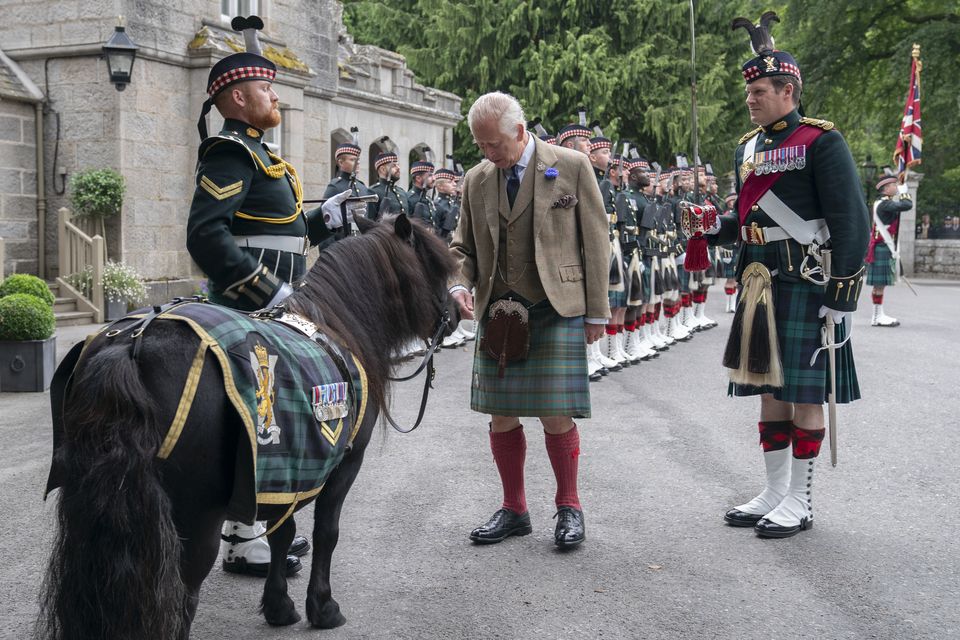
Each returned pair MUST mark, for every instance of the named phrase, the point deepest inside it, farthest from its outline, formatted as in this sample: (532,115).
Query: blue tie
(513,185)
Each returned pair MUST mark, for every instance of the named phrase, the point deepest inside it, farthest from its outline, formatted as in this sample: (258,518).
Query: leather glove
(837,316)
(332,213)
(282,293)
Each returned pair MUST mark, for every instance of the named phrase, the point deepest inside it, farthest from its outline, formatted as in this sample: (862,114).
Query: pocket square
(565,202)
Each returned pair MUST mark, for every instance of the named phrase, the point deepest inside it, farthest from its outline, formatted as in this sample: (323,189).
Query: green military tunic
(882,266)
(247,229)
(420,206)
(825,187)
(343,182)
(392,199)
(447,216)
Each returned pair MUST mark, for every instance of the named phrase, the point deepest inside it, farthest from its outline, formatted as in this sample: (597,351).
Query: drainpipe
(41,196)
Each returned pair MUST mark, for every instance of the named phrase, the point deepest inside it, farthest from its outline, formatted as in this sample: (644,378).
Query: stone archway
(337,137)
(381,145)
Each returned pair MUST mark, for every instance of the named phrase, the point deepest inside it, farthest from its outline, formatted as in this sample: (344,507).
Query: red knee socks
(806,444)
(729,290)
(877,298)
(509,452)
(611,329)
(564,451)
(775,435)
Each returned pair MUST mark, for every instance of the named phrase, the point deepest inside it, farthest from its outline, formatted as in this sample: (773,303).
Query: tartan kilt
(796,305)
(880,271)
(552,381)
(646,279)
(684,277)
(729,269)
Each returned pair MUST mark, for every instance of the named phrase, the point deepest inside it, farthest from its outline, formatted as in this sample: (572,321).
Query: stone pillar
(908,226)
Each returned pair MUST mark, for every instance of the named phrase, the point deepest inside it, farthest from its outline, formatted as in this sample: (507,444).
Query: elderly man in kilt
(882,267)
(533,240)
(798,197)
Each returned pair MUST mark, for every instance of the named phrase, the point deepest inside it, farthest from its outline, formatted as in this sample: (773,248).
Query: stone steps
(65,309)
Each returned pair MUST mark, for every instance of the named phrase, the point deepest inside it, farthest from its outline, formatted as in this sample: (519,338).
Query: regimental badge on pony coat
(264,365)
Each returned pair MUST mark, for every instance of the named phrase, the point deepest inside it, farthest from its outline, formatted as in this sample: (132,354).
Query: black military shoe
(259,569)
(299,547)
(737,518)
(570,528)
(503,524)
(770,529)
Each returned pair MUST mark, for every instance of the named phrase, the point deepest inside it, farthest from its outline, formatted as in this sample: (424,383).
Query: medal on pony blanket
(330,401)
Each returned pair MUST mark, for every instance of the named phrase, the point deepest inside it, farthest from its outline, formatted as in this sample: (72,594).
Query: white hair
(502,107)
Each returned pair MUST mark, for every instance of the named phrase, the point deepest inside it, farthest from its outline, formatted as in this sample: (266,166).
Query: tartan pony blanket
(300,405)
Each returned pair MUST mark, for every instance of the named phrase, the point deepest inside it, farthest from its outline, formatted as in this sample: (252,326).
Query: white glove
(902,189)
(282,293)
(332,216)
(837,316)
(715,229)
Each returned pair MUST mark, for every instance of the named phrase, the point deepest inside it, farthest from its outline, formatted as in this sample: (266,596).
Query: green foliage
(628,62)
(25,317)
(97,193)
(25,283)
(121,283)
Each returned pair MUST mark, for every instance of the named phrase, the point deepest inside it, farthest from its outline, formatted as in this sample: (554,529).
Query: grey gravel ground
(666,453)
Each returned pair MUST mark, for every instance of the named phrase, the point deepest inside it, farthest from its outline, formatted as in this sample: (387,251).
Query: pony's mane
(376,291)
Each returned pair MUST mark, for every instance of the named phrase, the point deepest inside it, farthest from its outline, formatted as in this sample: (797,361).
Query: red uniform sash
(755,186)
(876,238)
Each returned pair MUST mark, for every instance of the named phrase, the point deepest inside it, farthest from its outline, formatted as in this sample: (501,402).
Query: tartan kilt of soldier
(880,271)
(552,381)
(729,269)
(646,280)
(796,309)
(617,295)
(684,277)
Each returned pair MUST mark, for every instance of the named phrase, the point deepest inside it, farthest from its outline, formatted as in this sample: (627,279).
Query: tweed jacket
(569,231)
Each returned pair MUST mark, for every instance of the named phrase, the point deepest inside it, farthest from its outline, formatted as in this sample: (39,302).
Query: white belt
(290,244)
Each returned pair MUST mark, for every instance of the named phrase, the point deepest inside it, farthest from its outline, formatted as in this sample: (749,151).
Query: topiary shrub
(97,193)
(25,317)
(25,283)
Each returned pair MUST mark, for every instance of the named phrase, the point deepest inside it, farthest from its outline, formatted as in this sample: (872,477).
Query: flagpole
(914,77)
(693,107)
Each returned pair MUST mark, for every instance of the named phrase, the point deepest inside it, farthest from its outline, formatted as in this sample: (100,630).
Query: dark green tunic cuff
(843,291)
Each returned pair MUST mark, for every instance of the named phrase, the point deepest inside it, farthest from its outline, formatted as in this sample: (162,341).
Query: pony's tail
(114,568)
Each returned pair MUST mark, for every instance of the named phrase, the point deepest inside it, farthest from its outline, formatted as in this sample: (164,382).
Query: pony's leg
(322,610)
(198,552)
(276,605)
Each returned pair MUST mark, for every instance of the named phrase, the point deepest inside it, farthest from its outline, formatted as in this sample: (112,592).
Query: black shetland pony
(137,535)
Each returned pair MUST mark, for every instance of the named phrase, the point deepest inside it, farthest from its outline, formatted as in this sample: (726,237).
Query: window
(231,8)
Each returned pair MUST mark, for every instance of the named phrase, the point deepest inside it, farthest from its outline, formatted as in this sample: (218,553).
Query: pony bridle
(440,302)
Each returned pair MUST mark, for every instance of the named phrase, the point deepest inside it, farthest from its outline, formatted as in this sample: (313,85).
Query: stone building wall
(937,259)
(18,187)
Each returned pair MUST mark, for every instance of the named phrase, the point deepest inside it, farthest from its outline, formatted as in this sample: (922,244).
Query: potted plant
(96,194)
(123,288)
(28,352)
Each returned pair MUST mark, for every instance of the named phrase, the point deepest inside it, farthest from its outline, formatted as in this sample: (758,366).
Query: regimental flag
(910,142)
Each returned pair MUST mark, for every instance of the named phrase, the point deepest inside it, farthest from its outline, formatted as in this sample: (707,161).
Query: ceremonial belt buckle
(754,234)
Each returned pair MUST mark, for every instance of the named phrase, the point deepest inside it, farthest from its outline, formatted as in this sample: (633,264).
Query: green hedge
(25,317)
(24,283)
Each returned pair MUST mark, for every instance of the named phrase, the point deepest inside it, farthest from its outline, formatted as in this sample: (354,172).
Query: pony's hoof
(282,614)
(284,619)
(327,617)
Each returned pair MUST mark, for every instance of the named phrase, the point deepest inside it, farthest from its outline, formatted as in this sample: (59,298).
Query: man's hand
(836,316)
(332,216)
(903,190)
(465,301)
(593,331)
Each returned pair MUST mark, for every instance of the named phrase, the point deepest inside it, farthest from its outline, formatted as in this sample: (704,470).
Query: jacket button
(755,207)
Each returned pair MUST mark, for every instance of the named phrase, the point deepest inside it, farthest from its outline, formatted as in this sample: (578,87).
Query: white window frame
(273,137)
(239,8)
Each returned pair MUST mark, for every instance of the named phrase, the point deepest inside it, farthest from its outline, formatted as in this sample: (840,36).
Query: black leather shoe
(503,524)
(769,529)
(299,547)
(259,569)
(737,518)
(570,528)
